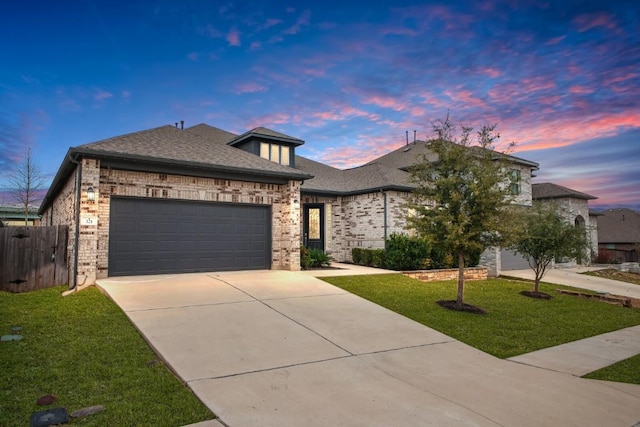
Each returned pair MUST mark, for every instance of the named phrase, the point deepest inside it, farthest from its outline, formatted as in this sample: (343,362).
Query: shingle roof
(268,133)
(548,190)
(168,144)
(619,226)
(213,134)
(363,179)
(412,153)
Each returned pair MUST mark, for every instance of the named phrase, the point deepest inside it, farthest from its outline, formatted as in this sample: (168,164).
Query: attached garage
(510,260)
(159,236)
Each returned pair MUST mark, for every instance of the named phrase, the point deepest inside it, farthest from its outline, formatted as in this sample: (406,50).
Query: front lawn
(627,371)
(514,323)
(83,349)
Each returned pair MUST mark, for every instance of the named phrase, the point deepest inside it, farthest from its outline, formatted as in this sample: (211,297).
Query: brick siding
(93,250)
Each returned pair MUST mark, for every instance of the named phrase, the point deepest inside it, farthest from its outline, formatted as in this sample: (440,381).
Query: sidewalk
(584,356)
(572,277)
(576,358)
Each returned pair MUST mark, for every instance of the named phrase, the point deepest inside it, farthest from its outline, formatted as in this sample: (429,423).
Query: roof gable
(619,226)
(264,133)
(176,146)
(363,179)
(548,190)
(410,154)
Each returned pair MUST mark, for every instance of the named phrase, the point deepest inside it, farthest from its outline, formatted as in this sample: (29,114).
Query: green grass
(514,325)
(626,371)
(84,350)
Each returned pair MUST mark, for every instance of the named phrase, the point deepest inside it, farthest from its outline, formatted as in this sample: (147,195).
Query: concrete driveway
(275,348)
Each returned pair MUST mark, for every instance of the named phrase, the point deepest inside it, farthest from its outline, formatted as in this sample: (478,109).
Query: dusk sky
(560,78)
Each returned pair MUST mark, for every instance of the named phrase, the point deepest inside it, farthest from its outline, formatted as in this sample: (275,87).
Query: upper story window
(275,152)
(514,184)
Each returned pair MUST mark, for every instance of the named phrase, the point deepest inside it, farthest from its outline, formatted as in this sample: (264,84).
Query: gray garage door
(148,236)
(510,260)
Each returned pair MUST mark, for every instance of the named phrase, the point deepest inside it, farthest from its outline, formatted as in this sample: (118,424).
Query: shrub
(406,253)
(367,257)
(305,258)
(440,258)
(313,258)
(356,255)
(377,257)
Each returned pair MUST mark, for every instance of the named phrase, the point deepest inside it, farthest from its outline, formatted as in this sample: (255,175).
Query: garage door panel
(511,260)
(151,236)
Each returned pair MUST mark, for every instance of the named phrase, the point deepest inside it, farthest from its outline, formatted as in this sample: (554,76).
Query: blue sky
(560,78)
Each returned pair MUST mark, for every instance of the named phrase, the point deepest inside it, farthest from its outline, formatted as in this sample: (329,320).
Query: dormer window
(275,152)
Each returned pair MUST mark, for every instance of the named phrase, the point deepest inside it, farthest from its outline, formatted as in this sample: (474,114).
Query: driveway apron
(276,348)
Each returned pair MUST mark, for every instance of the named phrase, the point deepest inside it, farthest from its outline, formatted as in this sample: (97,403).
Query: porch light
(91,194)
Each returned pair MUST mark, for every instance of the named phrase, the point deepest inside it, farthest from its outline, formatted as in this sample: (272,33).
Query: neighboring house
(574,206)
(169,200)
(14,216)
(619,235)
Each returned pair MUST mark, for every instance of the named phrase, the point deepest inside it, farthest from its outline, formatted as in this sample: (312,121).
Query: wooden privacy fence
(33,257)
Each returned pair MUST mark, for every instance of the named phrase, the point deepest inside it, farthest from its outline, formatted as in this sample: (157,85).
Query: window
(284,155)
(514,186)
(274,152)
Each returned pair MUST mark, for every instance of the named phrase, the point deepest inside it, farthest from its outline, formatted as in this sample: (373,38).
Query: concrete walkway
(276,348)
(584,356)
(572,277)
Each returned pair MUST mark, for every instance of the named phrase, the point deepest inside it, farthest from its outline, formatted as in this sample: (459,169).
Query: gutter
(76,242)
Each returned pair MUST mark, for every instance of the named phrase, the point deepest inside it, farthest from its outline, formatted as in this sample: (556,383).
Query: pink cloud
(303,21)
(555,40)
(313,72)
(101,95)
(491,72)
(560,132)
(398,31)
(586,22)
(193,56)
(581,90)
(272,22)
(233,37)
(250,87)
(384,102)
(255,45)
(537,83)
(467,97)
(620,79)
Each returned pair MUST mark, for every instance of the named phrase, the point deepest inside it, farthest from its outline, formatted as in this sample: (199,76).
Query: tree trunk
(460,298)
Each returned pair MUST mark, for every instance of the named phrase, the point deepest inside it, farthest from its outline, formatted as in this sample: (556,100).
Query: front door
(313,237)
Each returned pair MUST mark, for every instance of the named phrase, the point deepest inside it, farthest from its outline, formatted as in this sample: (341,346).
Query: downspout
(384,198)
(76,242)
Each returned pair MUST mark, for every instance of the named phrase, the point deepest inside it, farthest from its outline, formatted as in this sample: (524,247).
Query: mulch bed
(537,295)
(467,308)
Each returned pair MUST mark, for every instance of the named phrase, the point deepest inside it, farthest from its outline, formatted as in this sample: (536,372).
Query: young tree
(547,236)
(25,184)
(462,193)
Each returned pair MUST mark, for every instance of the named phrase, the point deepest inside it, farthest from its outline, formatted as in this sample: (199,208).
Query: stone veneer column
(88,241)
(286,229)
